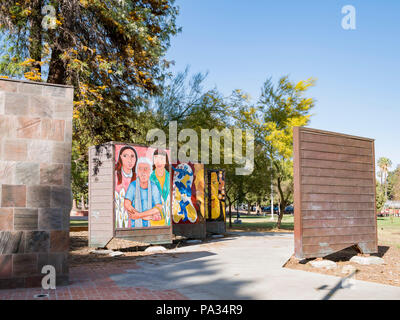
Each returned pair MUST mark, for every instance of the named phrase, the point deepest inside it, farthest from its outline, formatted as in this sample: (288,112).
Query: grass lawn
(388,229)
(261,223)
(78,223)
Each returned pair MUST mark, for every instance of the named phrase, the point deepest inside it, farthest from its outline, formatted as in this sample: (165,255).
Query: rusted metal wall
(334,193)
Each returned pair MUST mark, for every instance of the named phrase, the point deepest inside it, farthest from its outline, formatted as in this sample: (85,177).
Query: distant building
(391,207)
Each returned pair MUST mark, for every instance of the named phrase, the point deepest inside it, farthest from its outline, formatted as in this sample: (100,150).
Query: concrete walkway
(242,266)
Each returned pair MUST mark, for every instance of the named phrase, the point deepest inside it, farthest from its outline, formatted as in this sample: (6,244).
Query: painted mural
(142,187)
(217,194)
(188,193)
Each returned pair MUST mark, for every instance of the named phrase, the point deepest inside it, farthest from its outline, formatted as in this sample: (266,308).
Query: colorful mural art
(216,180)
(142,187)
(188,193)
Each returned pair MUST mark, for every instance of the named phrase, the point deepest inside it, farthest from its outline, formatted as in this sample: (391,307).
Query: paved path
(245,266)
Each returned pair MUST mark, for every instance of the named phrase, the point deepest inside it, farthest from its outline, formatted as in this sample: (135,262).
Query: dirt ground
(80,253)
(388,273)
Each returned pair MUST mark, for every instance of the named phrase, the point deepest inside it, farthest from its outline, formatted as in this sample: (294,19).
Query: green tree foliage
(110,51)
(279,108)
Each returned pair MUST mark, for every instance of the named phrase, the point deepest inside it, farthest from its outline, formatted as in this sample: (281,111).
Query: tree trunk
(248,207)
(282,205)
(83,202)
(35,35)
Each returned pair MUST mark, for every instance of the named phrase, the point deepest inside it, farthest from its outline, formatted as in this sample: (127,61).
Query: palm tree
(384,164)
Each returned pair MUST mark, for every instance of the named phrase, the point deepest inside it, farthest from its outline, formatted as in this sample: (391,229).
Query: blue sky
(243,43)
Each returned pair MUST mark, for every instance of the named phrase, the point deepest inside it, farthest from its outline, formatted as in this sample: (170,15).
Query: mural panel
(142,187)
(216,187)
(188,193)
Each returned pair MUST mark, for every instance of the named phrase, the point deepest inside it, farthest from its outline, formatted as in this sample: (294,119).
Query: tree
(277,111)
(110,51)
(384,164)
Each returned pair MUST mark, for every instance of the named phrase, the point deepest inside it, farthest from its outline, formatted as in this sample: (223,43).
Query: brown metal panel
(334,192)
(327,164)
(334,138)
(321,231)
(348,190)
(327,181)
(317,146)
(321,155)
(331,197)
(335,214)
(338,173)
(298,239)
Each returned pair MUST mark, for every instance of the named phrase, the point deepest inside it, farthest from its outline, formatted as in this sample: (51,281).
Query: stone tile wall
(35,186)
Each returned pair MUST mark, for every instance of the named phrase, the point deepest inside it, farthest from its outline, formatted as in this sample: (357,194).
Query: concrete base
(192,231)
(215,226)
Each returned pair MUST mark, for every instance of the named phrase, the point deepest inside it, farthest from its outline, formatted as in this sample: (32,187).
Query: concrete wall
(35,182)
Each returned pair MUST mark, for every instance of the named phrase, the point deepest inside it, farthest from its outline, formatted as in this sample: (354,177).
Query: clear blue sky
(242,43)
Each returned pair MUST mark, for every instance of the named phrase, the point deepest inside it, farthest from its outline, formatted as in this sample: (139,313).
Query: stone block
(58,260)
(30,88)
(11,242)
(6,219)
(37,241)
(8,86)
(55,91)
(5,266)
(53,129)
(367,260)
(26,173)
(12,283)
(50,218)
(327,264)
(65,219)
(25,219)
(60,197)
(25,264)
(7,125)
(2,102)
(16,104)
(28,128)
(7,172)
(68,131)
(33,281)
(51,174)
(67,175)
(13,196)
(59,241)
(61,152)
(39,151)
(14,150)
(63,109)
(38,196)
(41,107)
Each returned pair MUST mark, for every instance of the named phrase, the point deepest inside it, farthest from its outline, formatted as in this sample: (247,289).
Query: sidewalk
(242,266)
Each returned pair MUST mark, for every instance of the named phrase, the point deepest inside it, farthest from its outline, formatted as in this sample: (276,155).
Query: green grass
(78,223)
(261,223)
(388,229)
